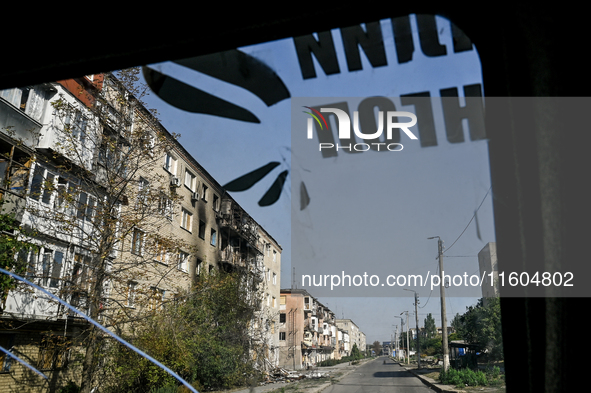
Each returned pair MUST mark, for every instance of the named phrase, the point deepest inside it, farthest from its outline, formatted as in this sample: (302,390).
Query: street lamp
(443,311)
(417,325)
(407,342)
(402,330)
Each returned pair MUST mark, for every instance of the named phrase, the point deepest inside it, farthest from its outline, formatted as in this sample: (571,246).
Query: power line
(470,220)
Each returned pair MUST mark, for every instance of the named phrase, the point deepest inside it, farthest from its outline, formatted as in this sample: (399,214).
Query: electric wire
(483,199)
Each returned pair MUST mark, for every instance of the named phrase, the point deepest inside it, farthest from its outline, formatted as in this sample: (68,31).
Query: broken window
(187,221)
(183,264)
(213,236)
(51,267)
(204,193)
(6,342)
(201,229)
(198,267)
(42,185)
(216,203)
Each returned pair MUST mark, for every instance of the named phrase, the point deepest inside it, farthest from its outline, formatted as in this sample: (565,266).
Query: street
(375,376)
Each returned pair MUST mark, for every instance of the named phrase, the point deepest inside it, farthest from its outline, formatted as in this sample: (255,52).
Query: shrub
(461,378)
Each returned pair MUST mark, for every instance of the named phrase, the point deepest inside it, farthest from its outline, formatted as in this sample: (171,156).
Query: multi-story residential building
(308,333)
(270,311)
(357,337)
(117,232)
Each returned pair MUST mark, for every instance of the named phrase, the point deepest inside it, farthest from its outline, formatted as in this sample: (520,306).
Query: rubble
(278,374)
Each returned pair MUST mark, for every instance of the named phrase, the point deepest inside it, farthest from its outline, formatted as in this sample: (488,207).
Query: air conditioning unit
(194,196)
(175,181)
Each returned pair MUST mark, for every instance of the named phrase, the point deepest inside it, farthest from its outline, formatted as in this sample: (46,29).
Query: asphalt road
(377,377)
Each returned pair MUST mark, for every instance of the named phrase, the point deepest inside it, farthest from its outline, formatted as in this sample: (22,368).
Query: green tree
(355,353)
(377,347)
(481,325)
(456,322)
(208,337)
(432,346)
(430,328)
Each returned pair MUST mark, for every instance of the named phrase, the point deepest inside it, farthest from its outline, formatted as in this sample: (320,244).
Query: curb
(430,382)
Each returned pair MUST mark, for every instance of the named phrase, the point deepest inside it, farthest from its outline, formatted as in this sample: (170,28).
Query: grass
(469,378)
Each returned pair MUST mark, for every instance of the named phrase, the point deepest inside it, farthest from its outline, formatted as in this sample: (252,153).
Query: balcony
(311,325)
(309,306)
(241,230)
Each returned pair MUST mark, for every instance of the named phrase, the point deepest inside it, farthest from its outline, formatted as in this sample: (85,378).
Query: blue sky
(433,191)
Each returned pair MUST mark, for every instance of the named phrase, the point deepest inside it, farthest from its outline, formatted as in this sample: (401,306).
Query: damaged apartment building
(119,219)
(309,332)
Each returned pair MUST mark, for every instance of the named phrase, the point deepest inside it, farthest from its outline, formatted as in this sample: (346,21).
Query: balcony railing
(232,216)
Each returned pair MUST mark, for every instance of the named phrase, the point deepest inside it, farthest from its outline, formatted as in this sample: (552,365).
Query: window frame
(186,220)
(202,227)
(183,261)
(131,293)
(170,163)
(204,189)
(162,255)
(192,180)
(44,190)
(137,242)
(166,207)
(213,237)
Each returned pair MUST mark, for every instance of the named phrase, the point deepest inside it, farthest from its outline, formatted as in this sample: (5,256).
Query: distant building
(307,331)
(355,334)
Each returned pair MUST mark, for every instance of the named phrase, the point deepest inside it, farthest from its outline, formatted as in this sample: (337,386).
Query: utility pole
(417,325)
(407,340)
(396,340)
(443,311)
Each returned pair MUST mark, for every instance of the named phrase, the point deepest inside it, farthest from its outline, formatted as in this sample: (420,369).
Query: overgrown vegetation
(468,377)
(208,338)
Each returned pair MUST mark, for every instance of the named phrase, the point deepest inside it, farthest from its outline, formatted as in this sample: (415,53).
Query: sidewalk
(430,381)
(307,385)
